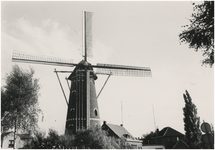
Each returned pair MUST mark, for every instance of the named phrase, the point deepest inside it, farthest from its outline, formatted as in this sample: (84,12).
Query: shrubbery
(93,138)
(52,141)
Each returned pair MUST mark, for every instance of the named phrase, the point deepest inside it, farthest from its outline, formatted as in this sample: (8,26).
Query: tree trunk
(14,135)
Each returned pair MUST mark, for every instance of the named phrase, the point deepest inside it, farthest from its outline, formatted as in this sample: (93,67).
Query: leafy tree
(200,33)
(19,100)
(94,138)
(191,122)
(67,141)
(147,138)
(52,141)
(122,143)
(37,142)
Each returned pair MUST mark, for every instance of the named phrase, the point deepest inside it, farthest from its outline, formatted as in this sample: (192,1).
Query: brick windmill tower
(83,111)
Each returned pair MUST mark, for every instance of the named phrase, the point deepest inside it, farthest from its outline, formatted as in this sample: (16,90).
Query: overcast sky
(138,33)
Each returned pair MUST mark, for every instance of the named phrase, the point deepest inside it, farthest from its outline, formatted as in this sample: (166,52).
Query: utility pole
(154,117)
(122,112)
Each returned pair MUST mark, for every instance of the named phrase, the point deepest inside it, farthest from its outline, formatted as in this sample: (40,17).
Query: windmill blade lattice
(121,70)
(40,59)
(88,34)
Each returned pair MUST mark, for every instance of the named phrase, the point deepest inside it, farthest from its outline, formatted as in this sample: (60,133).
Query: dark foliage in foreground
(200,33)
(191,122)
(93,138)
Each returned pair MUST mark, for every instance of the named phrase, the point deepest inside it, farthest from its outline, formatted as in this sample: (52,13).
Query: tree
(52,141)
(37,142)
(19,104)
(191,122)
(148,137)
(122,143)
(94,138)
(200,33)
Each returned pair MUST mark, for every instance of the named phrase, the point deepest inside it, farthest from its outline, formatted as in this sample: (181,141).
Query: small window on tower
(95,111)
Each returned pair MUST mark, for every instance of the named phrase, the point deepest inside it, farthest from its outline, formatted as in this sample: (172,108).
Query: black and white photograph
(107,74)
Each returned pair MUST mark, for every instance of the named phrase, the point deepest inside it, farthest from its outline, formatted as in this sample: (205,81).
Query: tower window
(95,111)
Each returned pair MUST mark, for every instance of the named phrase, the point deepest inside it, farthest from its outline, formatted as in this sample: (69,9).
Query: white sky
(125,33)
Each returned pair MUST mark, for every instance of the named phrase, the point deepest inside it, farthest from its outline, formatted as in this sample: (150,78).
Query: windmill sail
(40,59)
(87,34)
(121,70)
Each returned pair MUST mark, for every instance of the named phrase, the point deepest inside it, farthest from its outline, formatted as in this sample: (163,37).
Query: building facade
(169,138)
(8,142)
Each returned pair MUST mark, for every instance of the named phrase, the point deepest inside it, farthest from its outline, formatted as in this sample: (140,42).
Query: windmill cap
(84,63)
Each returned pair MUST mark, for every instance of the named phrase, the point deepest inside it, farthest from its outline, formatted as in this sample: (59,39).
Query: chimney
(104,122)
(121,125)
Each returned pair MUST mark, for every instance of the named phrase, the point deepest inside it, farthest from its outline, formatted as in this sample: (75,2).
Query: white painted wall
(18,142)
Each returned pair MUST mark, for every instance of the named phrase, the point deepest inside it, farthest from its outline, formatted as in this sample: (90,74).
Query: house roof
(168,131)
(120,131)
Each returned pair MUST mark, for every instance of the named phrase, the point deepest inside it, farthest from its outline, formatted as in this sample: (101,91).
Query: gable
(167,131)
(180,145)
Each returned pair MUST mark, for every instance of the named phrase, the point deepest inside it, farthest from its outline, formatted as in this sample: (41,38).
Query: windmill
(83,111)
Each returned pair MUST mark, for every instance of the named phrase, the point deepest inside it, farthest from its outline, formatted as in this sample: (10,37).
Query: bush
(52,141)
(93,138)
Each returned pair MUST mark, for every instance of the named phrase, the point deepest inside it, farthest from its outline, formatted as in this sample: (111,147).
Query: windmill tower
(83,111)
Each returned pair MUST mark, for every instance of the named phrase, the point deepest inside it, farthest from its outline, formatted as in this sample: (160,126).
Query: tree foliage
(200,33)
(191,122)
(122,143)
(37,142)
(19,99)
(52,141)
(148,137)
(93,138)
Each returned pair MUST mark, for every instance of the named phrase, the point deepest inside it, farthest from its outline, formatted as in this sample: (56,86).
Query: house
(7,140)
(180,145)
(169,138)
(118,131)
